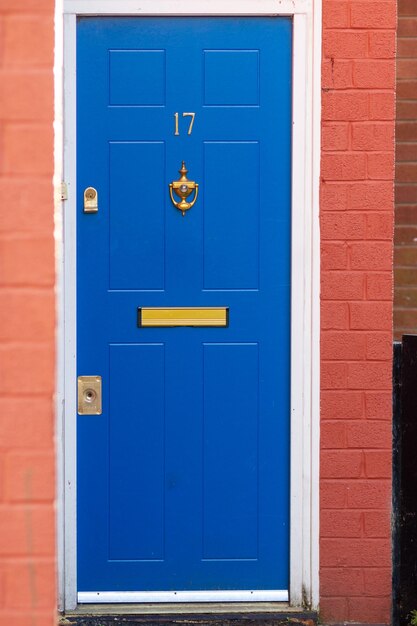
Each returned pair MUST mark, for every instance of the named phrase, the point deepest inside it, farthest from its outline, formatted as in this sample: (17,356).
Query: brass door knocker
(183,188)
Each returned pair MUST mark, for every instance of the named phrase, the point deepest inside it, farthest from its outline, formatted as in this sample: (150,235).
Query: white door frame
(305,363)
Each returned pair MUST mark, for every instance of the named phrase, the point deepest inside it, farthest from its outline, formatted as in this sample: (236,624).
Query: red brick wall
(27,522)
(356,231)
(405,301)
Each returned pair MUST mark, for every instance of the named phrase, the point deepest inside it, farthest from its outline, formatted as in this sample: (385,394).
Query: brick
(335,136)
(377,581)
(345,106)
(369,494)
(354,552)
(332,435)
(333,256)
(382,106)
(379,286)
(406,213)
(30,585)
(406,151)
(26,369)
(370,315)
(406,7)
(406,172)
(407,68)
(372,136)
(406,131)
(334,196)
(339,581)
(407,26)
(379,346)
(344,226)
(373,15)
(333,609)
(406,88)
(375,255)
(377,523)
(378,465)
(336,14)
(28,40)
(380,225)
(343,346)
(27,314)
(343,405)
(342,286)
(405,297)
(345,44)
(336,74)
(334,315)
(382,44)
(28,149)
(406,319)
(27,529)
(341,523)
(25,262)
(374,74)
(333,375)
(45,618)
(346,166)
(333,494)
(405,276)
(371,196)
(26,96)
(369,375)
(405,235)
(32,202)
(381,165)
(378,405)
(341,464)
(370,610)
(27,6)
(369,434)
(26,424)
(29,476)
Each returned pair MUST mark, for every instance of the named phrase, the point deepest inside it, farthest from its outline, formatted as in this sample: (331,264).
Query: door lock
(89,395)
(90,200)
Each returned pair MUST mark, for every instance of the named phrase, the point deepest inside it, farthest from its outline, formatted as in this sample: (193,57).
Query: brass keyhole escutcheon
(89,395)
(183,188)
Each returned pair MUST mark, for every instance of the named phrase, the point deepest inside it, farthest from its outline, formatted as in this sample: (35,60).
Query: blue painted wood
(183,481)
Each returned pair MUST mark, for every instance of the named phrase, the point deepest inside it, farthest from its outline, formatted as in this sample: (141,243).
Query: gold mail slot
(183,316)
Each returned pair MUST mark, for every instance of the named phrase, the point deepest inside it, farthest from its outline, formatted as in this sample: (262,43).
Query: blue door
(183,476)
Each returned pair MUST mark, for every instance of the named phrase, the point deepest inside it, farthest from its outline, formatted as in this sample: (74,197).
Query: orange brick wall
(405,258)
(356,343)
(356,230)
(27,519)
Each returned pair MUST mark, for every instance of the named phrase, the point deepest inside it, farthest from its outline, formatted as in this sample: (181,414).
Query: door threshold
(199,614)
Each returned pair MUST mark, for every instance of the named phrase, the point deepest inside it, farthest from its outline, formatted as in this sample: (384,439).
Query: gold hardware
(183,316)
(89,395)
(90,200)
(192,115)
(183,188)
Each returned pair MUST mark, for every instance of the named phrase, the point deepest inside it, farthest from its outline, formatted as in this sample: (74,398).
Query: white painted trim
(59,291)
(187,7)
(125,597)
(305,366)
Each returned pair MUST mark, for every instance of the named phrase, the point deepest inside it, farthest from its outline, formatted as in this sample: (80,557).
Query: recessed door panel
(184,131)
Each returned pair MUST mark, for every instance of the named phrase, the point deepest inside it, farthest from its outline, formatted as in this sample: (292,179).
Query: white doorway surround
(305,363)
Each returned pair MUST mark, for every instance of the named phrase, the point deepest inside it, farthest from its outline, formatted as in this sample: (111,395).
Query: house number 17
(190,128)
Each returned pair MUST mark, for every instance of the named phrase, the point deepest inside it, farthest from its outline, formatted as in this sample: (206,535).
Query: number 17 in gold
(190,128)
